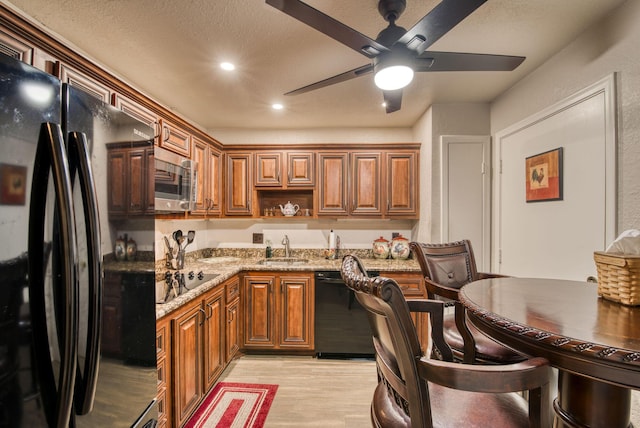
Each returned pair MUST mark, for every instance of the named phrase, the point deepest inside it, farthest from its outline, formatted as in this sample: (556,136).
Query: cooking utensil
(166,241)
(177,235)
(190,235)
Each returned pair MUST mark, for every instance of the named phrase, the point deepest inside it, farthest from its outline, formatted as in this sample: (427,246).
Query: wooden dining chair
(446,268)
(418,391)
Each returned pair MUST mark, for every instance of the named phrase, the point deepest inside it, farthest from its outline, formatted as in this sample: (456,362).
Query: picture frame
(544,176)
(13,184)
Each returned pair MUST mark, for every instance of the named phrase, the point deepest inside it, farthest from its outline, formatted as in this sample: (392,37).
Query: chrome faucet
(287,250)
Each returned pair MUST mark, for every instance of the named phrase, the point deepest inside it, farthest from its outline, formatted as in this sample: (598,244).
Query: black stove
(179,282)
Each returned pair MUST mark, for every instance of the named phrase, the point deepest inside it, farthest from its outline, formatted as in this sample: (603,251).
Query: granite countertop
(129,267)
(228,266)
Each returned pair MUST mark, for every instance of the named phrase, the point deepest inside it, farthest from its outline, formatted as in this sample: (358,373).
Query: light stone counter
(230,266)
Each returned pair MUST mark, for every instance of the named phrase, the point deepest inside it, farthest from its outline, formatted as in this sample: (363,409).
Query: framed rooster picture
(544,176)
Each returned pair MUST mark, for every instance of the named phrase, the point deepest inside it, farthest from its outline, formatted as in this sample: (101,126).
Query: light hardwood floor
(322,393)
(311,392)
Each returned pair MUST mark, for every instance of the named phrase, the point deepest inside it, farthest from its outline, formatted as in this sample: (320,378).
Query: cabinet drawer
(162,407)
(161,341)
(233,290)
(162,373)
(411,284)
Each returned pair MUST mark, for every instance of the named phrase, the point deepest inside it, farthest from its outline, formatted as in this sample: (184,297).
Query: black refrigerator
(56,237)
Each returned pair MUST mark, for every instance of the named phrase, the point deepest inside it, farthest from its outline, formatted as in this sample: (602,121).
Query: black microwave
(175,181)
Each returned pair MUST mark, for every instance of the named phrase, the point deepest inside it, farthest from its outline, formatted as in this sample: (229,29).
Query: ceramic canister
(120,249)
(400,248)
(380,248)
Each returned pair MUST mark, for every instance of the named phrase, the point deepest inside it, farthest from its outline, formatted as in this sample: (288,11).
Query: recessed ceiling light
(384,104)
(227,66)
(277,106)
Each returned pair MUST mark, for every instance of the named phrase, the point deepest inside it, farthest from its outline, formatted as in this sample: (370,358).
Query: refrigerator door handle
(86,379)
(51,156)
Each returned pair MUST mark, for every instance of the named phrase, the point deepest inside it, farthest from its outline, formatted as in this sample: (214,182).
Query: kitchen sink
(283,261)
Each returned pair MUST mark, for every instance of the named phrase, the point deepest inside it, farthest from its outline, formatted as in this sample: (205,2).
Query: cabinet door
(79,80)
(13,46)
(366,182)
(117,176)
(402,184)
(214,344)
(269,169)
(214,178)
(412,286)
(296,311)
(111,339)
(332,192)
(134,109)
(175,139)
(301,169)
(187,357)
(200,155)
(238,190)
(259,312)
(150,206)
(137,186)
(233,329)
(233,317)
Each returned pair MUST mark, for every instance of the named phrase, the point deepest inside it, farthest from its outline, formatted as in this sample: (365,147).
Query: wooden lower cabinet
(194,345)
(278,311)
(198,351)
(232,318)
(412,285)
(163,361)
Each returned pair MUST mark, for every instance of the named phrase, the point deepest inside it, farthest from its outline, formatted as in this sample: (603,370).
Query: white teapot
(289,209)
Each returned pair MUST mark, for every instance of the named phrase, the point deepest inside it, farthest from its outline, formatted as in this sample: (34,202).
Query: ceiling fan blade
(438,22)
(456,61)
(329,26)
(392,100)
(347,75)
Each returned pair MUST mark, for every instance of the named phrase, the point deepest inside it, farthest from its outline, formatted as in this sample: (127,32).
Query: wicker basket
(618,277)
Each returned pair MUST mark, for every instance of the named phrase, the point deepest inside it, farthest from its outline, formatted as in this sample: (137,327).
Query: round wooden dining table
(594,343)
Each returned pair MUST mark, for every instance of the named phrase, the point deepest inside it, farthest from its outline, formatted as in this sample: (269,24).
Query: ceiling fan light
(393,77)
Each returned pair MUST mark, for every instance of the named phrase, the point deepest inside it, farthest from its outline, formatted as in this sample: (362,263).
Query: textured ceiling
(170,50)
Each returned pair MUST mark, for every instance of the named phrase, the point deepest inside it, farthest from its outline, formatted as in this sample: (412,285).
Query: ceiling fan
(398,53)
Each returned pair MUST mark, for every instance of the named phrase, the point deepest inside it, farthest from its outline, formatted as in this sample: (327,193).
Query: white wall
(438,120)
(609,46)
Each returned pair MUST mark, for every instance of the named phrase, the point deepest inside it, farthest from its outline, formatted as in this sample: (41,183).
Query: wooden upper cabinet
(79,80)
(332,183)
(15,47)
(137,111)
(238,190)
(269,169)
(213,198)
(301,169)
(285,169)
(402,184)
(208,176)
(131,180)
(199,154)
(366,183)
(175,139)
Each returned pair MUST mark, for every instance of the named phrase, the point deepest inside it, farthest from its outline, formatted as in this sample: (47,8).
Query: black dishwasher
(341,325)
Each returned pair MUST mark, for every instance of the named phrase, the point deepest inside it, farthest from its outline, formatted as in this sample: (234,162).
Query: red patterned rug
(242,405)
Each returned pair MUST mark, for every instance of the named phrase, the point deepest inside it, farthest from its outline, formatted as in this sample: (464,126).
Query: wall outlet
(258,238)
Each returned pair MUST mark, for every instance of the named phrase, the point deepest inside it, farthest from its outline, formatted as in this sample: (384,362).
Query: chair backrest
(395,339)
(451,264)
